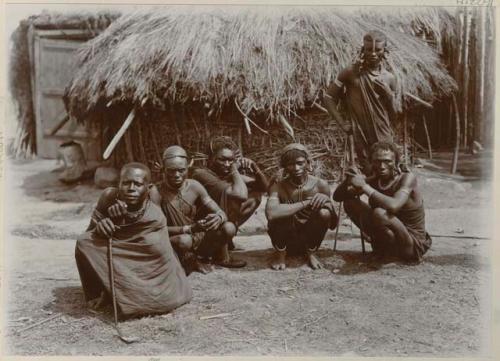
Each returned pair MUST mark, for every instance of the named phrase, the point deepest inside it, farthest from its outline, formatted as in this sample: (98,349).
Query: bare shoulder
(323,186)
(194,186)
(275,187)
(154,194)
(408,180)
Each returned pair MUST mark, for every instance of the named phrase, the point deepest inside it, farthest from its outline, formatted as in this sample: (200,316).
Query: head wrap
(174,151)
(295,150)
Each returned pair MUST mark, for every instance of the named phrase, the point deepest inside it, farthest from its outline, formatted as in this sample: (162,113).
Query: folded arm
(275,209)
(392,204)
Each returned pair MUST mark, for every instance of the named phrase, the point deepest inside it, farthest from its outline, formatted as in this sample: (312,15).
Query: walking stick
(129,339)
(340,203)
(349,140)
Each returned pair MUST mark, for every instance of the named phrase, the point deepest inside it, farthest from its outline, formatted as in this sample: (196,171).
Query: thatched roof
(268,59)
(20,76)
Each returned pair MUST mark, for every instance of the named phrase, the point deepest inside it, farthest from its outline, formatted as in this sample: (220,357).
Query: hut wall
(192,127)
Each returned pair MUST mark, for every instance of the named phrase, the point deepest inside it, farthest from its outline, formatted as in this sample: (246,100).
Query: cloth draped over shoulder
(180,212)
(367,108)
(148,276)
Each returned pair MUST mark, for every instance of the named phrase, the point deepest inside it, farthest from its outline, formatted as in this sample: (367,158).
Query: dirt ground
(352,307)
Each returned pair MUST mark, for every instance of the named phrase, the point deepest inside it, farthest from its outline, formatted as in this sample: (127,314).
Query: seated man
(148,276)
(299,209)
(394,217)
(237,194)
(196,223)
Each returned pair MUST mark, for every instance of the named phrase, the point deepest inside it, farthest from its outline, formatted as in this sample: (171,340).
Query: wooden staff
(418,100)
(457,137)
(344,161)
(429,146)
(61,121)
(465,87)
(119,134)
(405,139)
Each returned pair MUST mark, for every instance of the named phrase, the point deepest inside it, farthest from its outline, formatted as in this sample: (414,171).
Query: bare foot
(98,302)
(190,263)
(203,268)
(278,262)
(313,261)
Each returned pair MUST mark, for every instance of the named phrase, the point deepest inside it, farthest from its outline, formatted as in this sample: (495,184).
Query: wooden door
(54,65)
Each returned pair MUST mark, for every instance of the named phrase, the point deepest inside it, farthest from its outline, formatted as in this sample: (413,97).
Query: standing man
(148,276)
(394,217)
(299,209)
(197,225)
(368,91)
(237,194)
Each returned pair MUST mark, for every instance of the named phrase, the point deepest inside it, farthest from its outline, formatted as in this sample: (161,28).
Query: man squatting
(199,217)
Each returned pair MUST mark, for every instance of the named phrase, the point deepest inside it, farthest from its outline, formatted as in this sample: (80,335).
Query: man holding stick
(368,90)
(394,217)
(148,278)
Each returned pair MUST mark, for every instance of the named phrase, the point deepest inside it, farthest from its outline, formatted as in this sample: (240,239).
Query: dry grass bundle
(20,76)
(266,60)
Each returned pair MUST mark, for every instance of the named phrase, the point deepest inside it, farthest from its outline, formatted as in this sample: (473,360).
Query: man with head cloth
(394,217)
(367,89)
(147,274)
(196,223)
(299,209)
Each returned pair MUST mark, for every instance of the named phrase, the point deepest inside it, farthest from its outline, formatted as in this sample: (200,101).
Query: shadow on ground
(46,186)
(470,167)
(461,259)
(68,301)
(341,262)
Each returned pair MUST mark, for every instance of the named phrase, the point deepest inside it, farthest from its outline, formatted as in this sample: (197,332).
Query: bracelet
(186,229)
(222,219)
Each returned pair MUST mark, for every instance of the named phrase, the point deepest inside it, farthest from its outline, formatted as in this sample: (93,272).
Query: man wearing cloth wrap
(147,274)
(368,91)
(299,209)
(197,225)
(394,217)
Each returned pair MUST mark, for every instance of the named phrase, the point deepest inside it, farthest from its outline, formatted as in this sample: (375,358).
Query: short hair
(221,142)
(137,165)
(385,146)
(375,35)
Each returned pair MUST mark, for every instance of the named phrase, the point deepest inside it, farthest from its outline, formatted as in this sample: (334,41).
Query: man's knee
(380,217)
(325,216)
(183,242)
(228,229)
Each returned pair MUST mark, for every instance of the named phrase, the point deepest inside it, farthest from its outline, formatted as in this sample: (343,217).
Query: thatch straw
(271,60)
(20,76)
